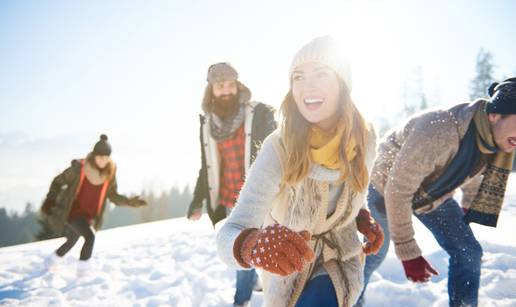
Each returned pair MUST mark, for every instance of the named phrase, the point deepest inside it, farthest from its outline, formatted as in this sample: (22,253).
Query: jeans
(456,237)
(245,281)
(318,292)
(447,225)
(76,228)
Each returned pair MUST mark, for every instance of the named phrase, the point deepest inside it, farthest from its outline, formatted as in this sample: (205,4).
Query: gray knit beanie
(221,72)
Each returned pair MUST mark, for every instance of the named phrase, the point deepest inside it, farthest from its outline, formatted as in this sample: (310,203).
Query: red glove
(371,230)
(275,249)
(418,269)
(47,206)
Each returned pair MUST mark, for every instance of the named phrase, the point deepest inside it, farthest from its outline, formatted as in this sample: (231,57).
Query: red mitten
(371,230)
(418,269)
(275,248)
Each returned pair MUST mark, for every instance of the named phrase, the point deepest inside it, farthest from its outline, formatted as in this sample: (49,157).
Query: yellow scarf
(325,147)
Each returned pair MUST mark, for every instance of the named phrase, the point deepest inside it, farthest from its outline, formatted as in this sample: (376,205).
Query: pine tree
(484,75)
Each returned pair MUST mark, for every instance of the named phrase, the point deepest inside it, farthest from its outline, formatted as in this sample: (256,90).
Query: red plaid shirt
(232,168)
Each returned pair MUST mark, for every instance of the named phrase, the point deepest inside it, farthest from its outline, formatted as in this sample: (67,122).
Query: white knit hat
(324,50)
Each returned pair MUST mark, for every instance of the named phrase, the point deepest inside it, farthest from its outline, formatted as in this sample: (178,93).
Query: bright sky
(136,70)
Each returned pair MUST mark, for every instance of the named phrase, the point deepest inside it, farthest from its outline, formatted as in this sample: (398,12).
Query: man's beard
(225,106)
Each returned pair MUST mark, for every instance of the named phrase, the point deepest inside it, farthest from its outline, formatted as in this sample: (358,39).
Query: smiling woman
(316,89)
(299,212)
(319,104)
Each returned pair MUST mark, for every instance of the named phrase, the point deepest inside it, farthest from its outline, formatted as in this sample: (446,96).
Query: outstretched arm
(122,200)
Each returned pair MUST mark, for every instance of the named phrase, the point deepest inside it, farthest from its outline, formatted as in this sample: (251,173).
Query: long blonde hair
(295,133)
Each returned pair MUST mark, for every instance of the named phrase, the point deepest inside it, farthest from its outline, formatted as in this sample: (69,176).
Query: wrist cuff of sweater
(407,250)
(243,245)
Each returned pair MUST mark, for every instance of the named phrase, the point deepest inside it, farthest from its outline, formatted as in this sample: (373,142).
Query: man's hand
(418,270)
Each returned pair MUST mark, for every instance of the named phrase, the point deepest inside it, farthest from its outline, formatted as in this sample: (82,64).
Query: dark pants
(456,237)
(318,292)
(76,228)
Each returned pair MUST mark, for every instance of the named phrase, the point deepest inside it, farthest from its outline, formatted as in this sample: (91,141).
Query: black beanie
(502,97)
(102,148)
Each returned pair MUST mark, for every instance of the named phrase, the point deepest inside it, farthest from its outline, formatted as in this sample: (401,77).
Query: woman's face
(315,88)
(101,161)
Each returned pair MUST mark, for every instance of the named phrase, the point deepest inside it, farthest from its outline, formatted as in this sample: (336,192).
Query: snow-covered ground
(174,263)
(166,263)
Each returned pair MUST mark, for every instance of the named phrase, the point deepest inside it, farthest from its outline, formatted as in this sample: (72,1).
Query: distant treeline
(16,228)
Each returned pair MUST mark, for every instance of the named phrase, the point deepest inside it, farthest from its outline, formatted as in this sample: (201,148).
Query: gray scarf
(223,129)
